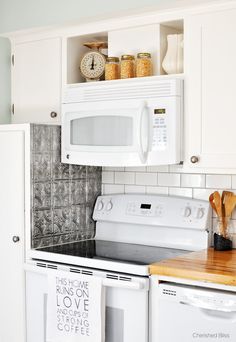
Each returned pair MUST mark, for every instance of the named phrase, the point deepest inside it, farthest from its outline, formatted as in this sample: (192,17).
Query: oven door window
(126,314)
(114,324)
(102,131)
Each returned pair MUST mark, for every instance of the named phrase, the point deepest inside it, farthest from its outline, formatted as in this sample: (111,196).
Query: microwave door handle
(143,131)
(208,307)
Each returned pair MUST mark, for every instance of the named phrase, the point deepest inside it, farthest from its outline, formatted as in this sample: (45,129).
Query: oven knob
(109,206)
(199,213)
(100,205)
(186,212)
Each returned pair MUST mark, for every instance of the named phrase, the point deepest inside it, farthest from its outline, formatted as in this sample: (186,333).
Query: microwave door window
(102,131)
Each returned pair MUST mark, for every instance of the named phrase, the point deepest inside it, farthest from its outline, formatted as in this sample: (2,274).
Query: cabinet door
(210,47)
(37,81)
(12,285)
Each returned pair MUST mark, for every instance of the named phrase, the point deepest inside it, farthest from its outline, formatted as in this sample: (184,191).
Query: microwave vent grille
(134,90)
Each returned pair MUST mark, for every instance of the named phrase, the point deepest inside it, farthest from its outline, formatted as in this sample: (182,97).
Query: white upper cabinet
(210,112)
(36,81)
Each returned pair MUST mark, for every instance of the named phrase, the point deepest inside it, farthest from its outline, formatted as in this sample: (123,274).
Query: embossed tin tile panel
(62,195)
(59,170)
(42,167)
(78,191)
(42,195)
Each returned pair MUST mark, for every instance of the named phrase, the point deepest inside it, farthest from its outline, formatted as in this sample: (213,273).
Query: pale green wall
(4,80)
(18,14)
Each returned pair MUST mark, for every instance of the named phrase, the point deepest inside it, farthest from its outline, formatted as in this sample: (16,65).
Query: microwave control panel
(159,129)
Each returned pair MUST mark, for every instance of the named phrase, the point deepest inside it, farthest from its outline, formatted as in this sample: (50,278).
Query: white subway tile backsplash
(176,169)
(218,181)
(115,168)
(202,194)
(145,178)
(183,192)
(138,189)
(136,169)
(234,182)
(158,190)
(165,180)
(163,168)
(124,177)
(113,189)
(169,179)
(193,181)
(107,177)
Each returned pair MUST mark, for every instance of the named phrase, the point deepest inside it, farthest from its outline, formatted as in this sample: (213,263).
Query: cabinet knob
(15,238)
(53,115)
(194,159)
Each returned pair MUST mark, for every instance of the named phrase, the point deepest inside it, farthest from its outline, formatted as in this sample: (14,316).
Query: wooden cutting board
(206,265)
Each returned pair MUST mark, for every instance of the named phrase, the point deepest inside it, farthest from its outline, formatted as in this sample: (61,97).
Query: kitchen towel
(75,308)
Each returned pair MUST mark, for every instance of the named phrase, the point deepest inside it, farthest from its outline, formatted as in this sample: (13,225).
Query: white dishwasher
(189,313)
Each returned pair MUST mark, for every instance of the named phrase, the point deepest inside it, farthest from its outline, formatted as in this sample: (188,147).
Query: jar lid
(127,57)
(113,59)
(144,55)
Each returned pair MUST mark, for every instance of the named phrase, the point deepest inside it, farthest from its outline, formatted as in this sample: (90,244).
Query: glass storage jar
(223,234)
(112,68)
(127,66)
(144,64)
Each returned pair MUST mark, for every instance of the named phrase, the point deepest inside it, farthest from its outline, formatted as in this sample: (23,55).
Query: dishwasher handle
(209,307)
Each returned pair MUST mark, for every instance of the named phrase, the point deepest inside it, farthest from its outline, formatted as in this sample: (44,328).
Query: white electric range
(132,231)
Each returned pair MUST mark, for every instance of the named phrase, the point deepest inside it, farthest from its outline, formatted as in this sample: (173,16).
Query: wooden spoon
(229,203)
(217,202)
(212,203)
(225,198)
(218,205)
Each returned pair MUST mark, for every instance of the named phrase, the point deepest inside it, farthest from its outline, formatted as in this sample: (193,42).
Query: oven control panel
(153,210)
(145,209)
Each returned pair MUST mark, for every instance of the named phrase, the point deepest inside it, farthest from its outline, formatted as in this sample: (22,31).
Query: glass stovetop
(115,251)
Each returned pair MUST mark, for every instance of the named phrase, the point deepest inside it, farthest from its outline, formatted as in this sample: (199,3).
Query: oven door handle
(123,284)
(132,285)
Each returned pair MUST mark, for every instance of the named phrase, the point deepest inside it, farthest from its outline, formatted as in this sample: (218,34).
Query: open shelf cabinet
(147,38)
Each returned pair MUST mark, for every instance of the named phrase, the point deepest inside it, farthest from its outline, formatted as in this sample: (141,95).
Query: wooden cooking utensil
(223,198)
(226,195)
(218,204)
(229,204)
(212,203)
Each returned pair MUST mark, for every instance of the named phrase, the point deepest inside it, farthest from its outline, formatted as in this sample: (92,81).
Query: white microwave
(132,122)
